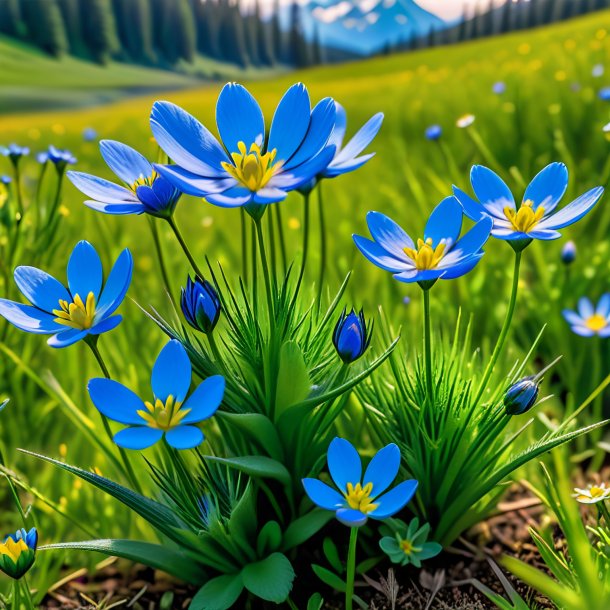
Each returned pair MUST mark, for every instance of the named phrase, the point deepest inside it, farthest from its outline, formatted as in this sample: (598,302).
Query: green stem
(187,252)
(244,245)
(280,233)
(305,238)
(266,277)
(504,332)
(43,170)
(428,345)
(16,601)
(20,207)
(57,198)
(128,469)
(322,244)
(603,509)
(162,266)
(28,594)
(214,347)
(273,258)
(254,271)
(351,568)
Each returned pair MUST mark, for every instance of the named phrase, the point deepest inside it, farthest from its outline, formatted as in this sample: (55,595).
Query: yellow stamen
(597,492)
(13,549)
(596,322)
(252,168)
(76,314)
(406,547)
(525,218)
(144,181)
(425,256)
(163,415)
(358,497)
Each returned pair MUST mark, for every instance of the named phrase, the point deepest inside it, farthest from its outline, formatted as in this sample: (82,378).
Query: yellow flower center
(525,218)
(359,497)
(13,549)
(144,181)
(425,256)
(163,415)
(597,492)
(252,168)
(76,314)
(596,322)
(406,546)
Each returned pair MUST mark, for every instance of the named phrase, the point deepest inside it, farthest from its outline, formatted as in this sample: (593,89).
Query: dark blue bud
(521,396)
(200,304)
(350,337)
(604,94)
(434,132)
(59,158)
(568,253)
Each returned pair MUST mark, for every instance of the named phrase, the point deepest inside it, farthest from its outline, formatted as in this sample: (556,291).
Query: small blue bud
(200,305)
(434,132)
(350,337)
(499,88)
(5,179)
(568,253)
(521,396)
(604,94)
(89,134)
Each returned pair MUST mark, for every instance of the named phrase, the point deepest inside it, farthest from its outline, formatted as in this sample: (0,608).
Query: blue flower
(534,218)
(249,167)
(499,88)
(18,552)
(59,158)
(145,191)
(351,337)
(346,157)
(590,320)
(168,413)
(521,396)
(568,253)
(439,255)
(14,152)
(604,94)
(434,132)
(361,497)
(200,305)
(5,179)
(89,134)
(71,314)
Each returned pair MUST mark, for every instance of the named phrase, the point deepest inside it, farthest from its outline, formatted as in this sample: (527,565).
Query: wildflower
(18,552)
(145,191)
(568,253)
(260,169)
(465,120)
(597,71)
(534,219)
(521,396)
(168,415)
(592,494)
(200,304)
(439,255)
(70,314)
(59,158)
(408,544)
(604,94)
(499,88)
(89,134)
(434,132)
(6,180)
(14,152)
(351,338)
(590,320)
(360,497)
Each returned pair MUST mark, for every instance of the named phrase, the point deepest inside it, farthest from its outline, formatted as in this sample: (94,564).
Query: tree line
(161,32)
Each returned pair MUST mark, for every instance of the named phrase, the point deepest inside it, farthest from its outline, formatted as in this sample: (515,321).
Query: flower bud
(18,552)
(200,304)
(434,132)
(350,336)
(568,253)
(521,396)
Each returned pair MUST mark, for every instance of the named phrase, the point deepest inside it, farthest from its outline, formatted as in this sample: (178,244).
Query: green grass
(542,117)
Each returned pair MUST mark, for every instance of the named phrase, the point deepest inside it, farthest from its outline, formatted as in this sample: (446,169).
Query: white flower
(465,121)
(593,494)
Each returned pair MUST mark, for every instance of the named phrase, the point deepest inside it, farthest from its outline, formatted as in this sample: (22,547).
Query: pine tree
(45,26)
(177,38)
(70,13)
(316,53)
(99,29)
(11,23)
(263,34)
(277,36)
(299,53)
(134,28)
(251,24)
(207,21)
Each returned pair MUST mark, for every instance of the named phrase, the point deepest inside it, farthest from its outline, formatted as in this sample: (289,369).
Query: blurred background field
(550,110)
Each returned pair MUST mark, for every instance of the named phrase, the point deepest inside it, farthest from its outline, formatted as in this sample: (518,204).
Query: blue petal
(351,517)
(40,288)
(28,318)
(545,234)
(393,501)
(304,173)
(604,332)
(140,437)
(128,164)
(338,169)
(380,257)
(338,132)
(603,305)
(85,272)
(361,139)
(171,374)
(470,243)
(205,400)
(415,275)
(322,495)
(106,325)
(290,122)
(548,187)
(320,127)
(583,331)
(473,209)
(186,141)
(445,222)
(382,469)
(117,209)
(343,463)
(233,197)
(585,308)
(116,285)
(269,195)
(572,317)
(100,189)
(239,117)
(465,266)
(67,337)
(573,211)
(194,184)
(389,235)
(490,189)
(184,437)
(113,400)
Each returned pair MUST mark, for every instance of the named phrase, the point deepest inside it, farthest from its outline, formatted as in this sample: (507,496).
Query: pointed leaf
(259,428)
(256,466)
(220,593)
(305,527)
(293,383)
(270,579)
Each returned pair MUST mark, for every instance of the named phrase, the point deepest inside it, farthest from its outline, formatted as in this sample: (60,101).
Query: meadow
(550,110)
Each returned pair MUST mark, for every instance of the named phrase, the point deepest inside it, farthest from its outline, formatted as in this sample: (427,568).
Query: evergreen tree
(70,13)
(10,18)
(45,26)
(264,42)
(99,29)
(299,53)
(175,34)
(134,28)
(207,21)
(277,36)
(317,52)
(251,25)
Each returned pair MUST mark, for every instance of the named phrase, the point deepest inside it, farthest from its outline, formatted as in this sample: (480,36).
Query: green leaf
(259,428)
(293,383)
(154,555)
(269,538)
(220,593)
(256,466)
(368,564)
(315,602)
(270,579)
(242,522)
(332,555)
(328,578)
(305,527)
